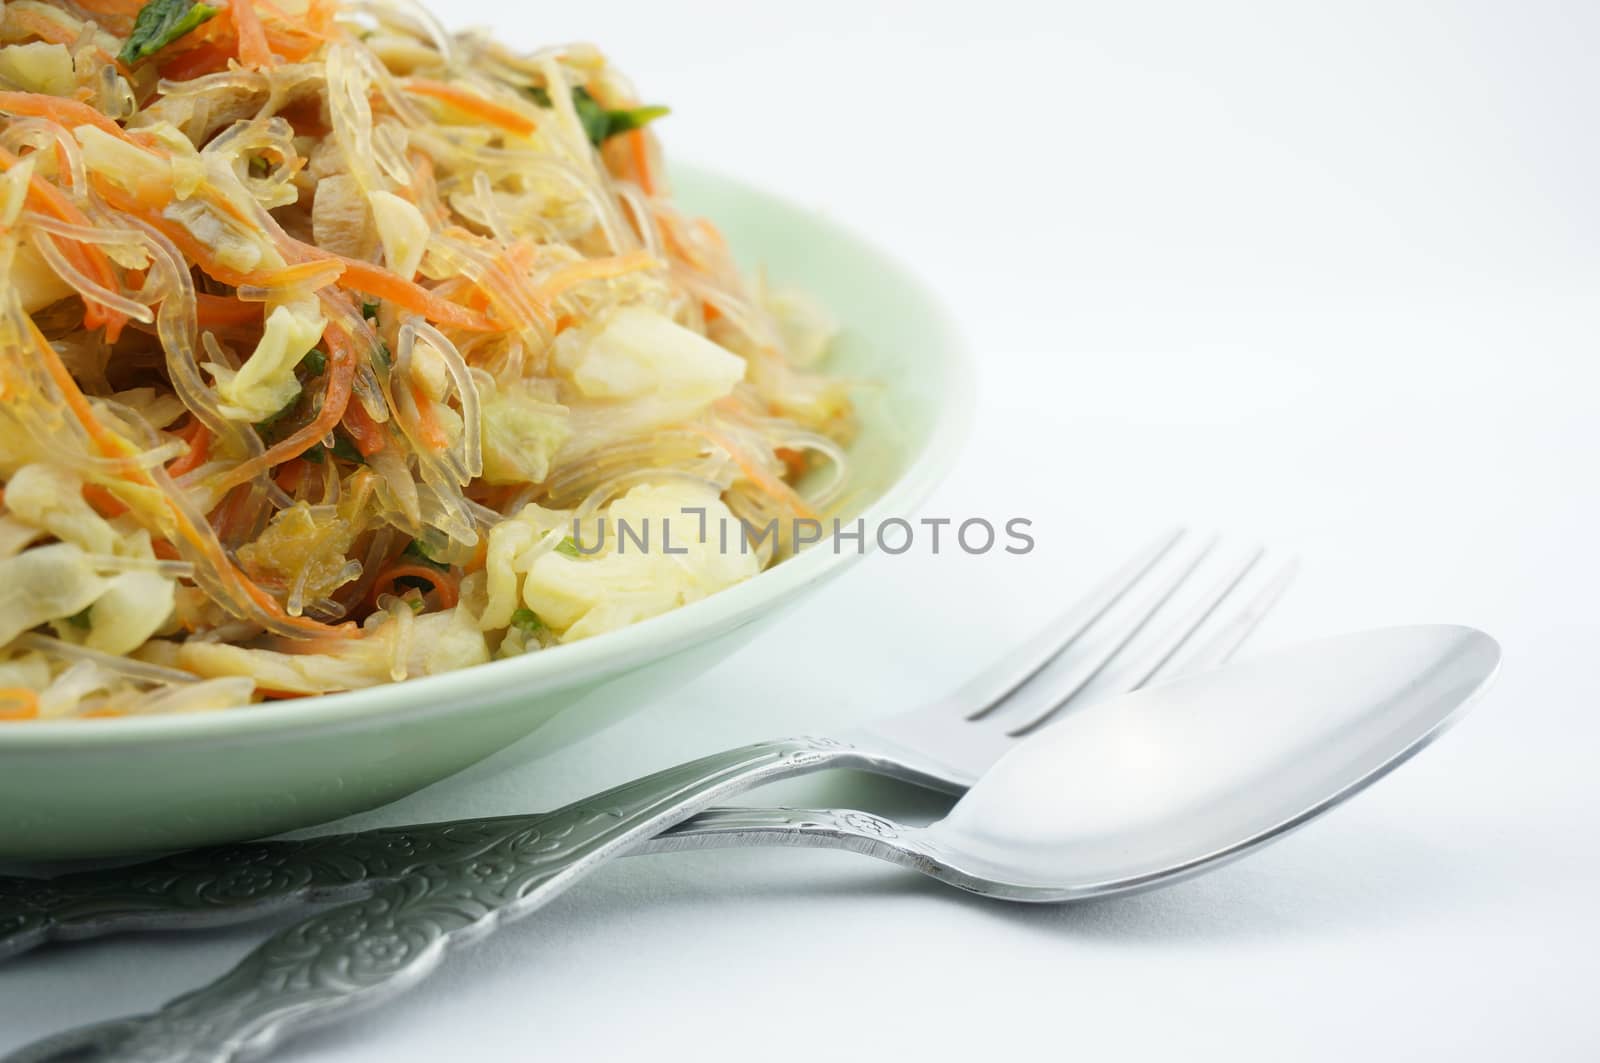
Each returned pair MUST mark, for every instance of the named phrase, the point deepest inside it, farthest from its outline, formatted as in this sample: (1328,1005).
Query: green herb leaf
(315,363)
(343,448)
(369,310)
(631,118)
(601,123)
(527,621)
(259,166)
(417,552)
(159,23)
(568,547)
(267,428)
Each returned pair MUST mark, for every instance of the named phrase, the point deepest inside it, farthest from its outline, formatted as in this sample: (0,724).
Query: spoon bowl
(1145,789)
(1175,779)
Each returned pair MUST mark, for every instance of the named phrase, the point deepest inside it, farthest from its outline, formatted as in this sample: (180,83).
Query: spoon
(1126,794)
(1166,782)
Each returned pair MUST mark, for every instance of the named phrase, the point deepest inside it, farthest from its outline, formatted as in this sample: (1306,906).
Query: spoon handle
(238,883)
(364,952)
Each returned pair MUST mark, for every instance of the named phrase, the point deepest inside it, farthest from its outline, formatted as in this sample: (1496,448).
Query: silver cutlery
(946,745)
(1125,794)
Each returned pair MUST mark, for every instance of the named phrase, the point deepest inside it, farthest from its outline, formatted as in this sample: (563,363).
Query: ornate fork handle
(226,884)
(237,883)
(362,953)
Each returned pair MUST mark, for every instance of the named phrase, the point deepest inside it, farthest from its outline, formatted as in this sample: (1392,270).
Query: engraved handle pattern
(362,953)
(814,828)
(225,884)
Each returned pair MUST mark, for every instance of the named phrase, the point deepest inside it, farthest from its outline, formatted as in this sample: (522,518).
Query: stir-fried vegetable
(160,22)
(601,123)
(327,339)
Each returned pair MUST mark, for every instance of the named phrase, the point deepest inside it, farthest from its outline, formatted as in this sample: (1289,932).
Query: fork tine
(1114,643)
(1178,635)
(1221,646)
(997,684)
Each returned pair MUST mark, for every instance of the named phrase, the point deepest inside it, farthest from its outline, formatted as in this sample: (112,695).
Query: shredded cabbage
(320,342)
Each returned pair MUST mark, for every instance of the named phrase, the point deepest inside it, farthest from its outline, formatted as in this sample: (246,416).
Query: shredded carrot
(228,516)
(368,434)
(341,379)
(425,190)
(312,275)
(756,474)
(198,436)
(473,104)
(480,555)
(505,287)
(253,50)
(356,275)
(641,161)
(220,311)
(40,25)
(371,280)
(591,269)
(443,583)
(294,46)
(291,474)
(18,703)
(104,502)
(208,57)
(319,19)
(109,443)
(87,257)
(60,110)
(125,8)
(433,433)
(794,460)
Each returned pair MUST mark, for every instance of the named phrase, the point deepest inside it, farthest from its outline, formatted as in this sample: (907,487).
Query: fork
(945,745)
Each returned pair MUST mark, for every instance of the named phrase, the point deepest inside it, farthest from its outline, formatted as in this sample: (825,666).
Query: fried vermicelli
(322,331)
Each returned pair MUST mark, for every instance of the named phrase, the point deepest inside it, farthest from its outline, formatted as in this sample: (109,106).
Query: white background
(1320,276)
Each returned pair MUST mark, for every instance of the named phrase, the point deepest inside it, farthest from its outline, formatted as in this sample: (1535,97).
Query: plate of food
(375,398)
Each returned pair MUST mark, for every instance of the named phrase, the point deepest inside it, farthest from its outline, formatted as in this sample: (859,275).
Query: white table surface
(1320,275)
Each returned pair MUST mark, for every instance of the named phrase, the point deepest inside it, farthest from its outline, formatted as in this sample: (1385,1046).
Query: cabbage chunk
(51,499)
(50,582)
(639,353)
(134,606)
(578,597)
(266,382)
(39,67)
(521,434)
(402,230)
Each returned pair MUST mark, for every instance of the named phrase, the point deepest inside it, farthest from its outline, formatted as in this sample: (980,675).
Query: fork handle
(235,883)
(362,953)
(238,883)
(227,884)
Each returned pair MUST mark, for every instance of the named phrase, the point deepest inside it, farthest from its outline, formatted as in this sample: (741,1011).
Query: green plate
(104,787)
